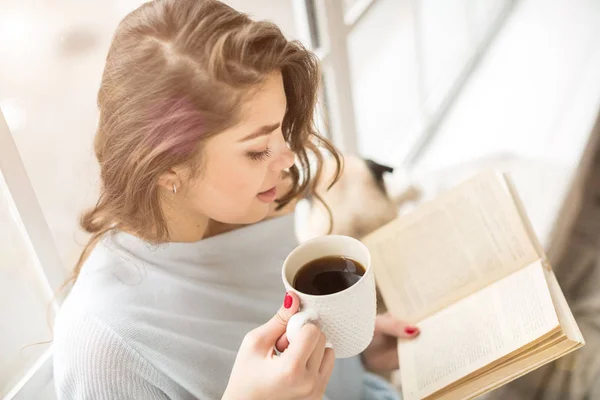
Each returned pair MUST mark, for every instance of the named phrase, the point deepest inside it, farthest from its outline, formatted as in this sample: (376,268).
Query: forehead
(267,104)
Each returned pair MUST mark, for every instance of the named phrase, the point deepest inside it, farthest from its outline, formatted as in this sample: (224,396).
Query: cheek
(237,176)
(227,189)
(236,182)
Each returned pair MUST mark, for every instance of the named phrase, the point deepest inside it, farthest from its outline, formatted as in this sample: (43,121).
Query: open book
(469,270)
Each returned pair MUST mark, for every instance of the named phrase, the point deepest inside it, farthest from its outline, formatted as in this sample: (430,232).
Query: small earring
(174,189)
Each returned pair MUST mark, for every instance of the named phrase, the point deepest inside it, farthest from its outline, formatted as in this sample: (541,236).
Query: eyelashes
(261,155)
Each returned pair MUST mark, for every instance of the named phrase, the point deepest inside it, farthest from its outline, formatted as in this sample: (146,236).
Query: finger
(325,371)
(392,326)
(275,327)
(303,345)
(314,362)
(282,343)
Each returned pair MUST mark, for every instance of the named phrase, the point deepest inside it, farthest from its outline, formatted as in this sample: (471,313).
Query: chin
(258,214)
(254,214)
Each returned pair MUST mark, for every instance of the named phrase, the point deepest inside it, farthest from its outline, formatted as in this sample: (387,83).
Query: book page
(509,372)
(455,245)
(476,331)
(565,315)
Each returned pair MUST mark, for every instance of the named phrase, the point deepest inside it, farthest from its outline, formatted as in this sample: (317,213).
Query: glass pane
(445,45)
(483,15)
(49,77)
(24,303)
(348,4)
(384,79)
(322,113)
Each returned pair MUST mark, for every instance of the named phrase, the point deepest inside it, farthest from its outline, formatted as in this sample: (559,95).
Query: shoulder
(91,357)
(110,278)
(93,361)
(98,304)
(90,313)
(87,337)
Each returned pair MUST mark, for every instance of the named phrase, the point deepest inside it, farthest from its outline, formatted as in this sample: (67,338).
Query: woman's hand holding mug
(302,371)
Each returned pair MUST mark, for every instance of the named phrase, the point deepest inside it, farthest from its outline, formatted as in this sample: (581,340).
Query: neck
(185,226)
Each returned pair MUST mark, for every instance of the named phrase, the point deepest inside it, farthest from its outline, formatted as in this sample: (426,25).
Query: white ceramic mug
(347,318)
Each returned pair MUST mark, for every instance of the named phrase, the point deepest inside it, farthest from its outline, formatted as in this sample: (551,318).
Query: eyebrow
(265,130)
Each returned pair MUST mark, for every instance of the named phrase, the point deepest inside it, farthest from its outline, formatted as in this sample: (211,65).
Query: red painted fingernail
(287,302)
(411,330)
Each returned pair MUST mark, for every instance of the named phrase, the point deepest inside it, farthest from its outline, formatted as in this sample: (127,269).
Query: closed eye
(260,156)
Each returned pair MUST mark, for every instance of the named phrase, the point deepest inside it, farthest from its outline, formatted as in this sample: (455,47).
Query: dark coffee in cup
(327,275)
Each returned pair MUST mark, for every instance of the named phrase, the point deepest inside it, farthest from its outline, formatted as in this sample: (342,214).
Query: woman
(206,127)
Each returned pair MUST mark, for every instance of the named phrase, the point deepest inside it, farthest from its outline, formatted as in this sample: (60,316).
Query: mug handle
(300,319)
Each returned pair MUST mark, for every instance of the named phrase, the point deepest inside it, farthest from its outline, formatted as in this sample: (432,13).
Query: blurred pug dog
(360,202)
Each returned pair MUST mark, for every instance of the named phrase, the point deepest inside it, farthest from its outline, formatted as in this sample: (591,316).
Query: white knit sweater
(165,322)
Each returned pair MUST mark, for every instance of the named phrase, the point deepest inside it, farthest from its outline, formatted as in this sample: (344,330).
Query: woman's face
(242,165)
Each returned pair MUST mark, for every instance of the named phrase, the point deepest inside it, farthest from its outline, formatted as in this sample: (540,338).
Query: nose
(285,160)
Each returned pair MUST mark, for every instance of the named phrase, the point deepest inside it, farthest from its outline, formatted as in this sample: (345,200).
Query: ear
(168,179)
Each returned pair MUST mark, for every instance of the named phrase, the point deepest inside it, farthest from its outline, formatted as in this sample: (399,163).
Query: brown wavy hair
(166,56)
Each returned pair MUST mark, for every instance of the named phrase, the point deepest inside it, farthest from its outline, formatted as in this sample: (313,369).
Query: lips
(268,196)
